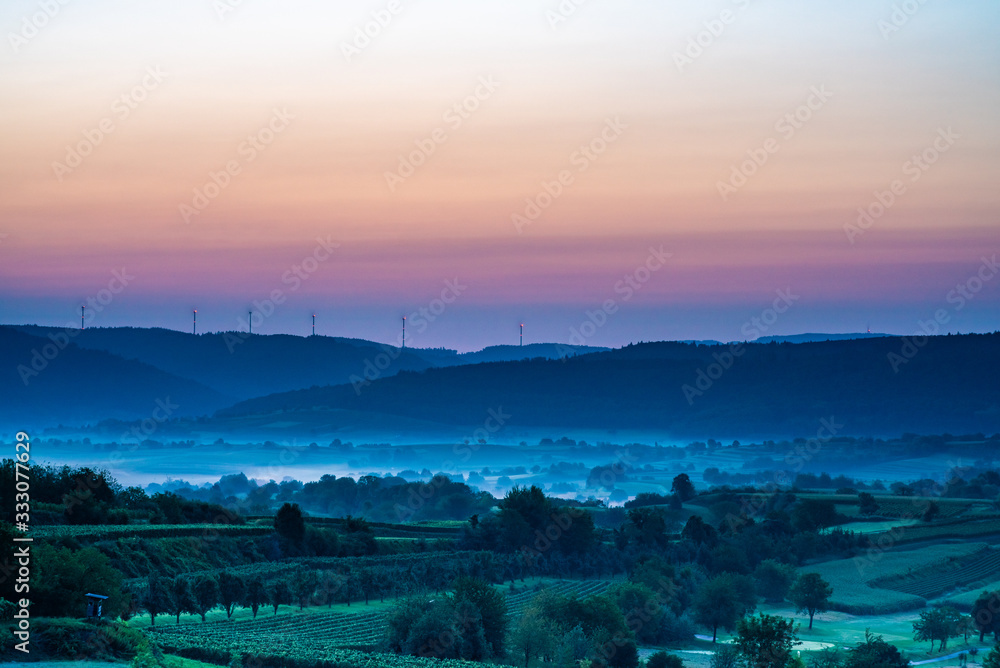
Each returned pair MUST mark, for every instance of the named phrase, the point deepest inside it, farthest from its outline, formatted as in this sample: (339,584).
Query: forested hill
(47,381)
(241,366)
(870,386)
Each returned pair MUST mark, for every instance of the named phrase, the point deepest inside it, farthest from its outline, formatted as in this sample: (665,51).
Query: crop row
(921,532)
(275,569)
(288,649)
(853,579)
(516,603)
(929,583)
(324,629)
(112,532)
(915,507)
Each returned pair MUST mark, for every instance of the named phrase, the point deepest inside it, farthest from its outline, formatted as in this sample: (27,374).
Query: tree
(726,656)
(304,585)
(698,531)
(255,595)
(938,624)
(573,648)
(774,579)
(62,577)
(683,487)
(206,595)
(815,514)
(992,660)
(867,505)
(231,591)
(810,593)
(639,604)
(647,527)
(404,615)
(986,614)
(181,597)
(663,660)
(492,606)
(289,524)
(931,511)
(156,598)
(279,594)
(442,628)
(765,640)
(875,652)
(723,600)
(829,657)
(533,636)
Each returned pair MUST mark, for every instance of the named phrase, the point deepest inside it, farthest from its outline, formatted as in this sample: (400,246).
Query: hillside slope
(43,384)
(769,390)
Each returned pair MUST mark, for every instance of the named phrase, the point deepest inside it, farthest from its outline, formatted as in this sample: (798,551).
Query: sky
(603,172)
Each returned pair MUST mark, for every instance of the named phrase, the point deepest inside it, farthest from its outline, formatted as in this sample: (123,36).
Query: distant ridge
(47,381)
(811,338)
(769,390)
(235,366)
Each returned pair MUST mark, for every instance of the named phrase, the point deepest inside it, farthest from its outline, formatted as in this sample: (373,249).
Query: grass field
(836,629)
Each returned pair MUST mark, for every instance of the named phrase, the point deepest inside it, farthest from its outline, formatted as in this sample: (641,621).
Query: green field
(964,601)
(113,532)
(941,578)
(853,579)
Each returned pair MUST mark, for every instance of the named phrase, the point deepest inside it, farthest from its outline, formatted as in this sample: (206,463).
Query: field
(331,636)
(961,528)
(965,600)
(324,629)
(853,580)
(579,588)
(111,532)
(941,578)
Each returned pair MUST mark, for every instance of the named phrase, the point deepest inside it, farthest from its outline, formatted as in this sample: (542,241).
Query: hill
(47,381)
(242,366)
(810,338)
(767,390)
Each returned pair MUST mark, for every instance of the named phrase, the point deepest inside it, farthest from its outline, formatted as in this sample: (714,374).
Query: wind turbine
(194,323)
(314,324)
(404,332)
(83,312)
(522,333)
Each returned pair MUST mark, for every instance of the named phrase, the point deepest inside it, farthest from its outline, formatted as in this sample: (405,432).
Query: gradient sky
(228,65)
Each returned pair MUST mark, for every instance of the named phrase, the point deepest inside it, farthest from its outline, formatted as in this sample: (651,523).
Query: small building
(95,605)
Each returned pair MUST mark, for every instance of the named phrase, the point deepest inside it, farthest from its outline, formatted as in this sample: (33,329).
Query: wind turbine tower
(314,324)
(194,322)
(522,333)
(404,332)
(83,312)
(250,322)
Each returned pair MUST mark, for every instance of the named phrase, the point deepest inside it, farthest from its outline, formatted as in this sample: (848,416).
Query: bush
(664,660)
(675,628)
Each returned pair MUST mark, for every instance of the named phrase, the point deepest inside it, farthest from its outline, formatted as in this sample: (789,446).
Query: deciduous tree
(810,593)
(723,600)
(206,595)
(765,640)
